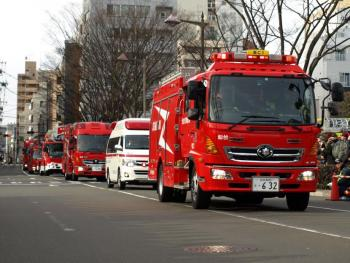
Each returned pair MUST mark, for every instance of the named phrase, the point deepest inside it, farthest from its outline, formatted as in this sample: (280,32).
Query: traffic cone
(335,189)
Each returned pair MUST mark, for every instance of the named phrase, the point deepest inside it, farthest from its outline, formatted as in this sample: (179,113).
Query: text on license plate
(265,184)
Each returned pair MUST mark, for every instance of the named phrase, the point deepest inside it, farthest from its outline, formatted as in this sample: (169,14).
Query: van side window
(111,145)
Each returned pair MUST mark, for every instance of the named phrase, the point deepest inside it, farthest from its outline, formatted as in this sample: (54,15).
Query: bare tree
(305,28)
(114,50)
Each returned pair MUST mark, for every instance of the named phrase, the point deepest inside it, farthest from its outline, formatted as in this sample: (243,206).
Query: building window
(41,104)
(162,15)
(344,79)
(340,55)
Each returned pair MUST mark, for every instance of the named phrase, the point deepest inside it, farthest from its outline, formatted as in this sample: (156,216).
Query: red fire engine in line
(27,152)
(52,152)
(35,158)
(246,128)
(85,150)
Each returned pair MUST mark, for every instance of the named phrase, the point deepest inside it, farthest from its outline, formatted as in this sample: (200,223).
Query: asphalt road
(46,219)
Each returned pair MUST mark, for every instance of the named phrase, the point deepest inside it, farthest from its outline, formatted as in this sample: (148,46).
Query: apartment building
(37,104)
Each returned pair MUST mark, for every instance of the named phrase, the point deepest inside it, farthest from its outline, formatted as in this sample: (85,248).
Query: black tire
(165,194)
(200,198)
(180,195)
(46,173)
(74,177)
(67,177)
(297,201)
(109,182)
(121,185)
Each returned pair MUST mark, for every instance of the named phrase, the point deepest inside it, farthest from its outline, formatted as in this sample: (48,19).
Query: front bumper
(241,178)
(90,170)
(51,167)
(135,173)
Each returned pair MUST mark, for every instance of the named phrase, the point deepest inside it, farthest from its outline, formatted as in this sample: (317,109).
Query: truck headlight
(80,168)
(220,174)
(306,176)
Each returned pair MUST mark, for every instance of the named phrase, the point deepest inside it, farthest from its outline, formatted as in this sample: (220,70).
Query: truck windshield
(92,143)
(270,100)
(137,142)
(55,149)
(37,154)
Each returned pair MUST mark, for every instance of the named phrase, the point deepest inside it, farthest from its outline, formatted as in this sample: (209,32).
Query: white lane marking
(331,209)
(58,222)
(240,216)
(122,192)
(280,224)
(25,173)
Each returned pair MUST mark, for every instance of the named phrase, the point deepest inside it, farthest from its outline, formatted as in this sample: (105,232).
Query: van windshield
(137,142)
(92,143)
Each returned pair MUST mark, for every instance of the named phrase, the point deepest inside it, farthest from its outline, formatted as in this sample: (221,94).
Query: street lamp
(174,20)
(123,57)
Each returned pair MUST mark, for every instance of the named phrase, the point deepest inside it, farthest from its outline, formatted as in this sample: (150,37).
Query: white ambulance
(127,153)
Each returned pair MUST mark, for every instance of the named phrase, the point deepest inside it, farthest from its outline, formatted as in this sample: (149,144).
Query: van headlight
(128,163)
(307,176)
(220,174)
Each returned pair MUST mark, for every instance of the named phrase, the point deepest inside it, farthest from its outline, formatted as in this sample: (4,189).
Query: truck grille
(87,162)
(279,155)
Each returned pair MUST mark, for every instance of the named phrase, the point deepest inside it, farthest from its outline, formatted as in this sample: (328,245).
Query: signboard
(337,124)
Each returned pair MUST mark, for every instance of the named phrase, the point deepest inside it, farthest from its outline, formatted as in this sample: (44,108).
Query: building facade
(37,103)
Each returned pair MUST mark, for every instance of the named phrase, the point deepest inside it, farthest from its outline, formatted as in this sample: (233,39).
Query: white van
(127,153)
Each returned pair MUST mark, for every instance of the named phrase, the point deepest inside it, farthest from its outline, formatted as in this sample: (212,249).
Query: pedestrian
(327,153)
(340,149)
(344,182)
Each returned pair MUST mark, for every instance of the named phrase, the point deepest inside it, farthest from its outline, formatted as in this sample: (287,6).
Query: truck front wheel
(297,201)
(67,176)
(165,194)
(200,198)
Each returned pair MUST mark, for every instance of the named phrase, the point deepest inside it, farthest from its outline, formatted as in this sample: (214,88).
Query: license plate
(96,168)
(266,184)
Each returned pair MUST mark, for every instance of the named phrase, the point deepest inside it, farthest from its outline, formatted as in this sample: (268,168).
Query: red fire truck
(26,152)
(35,157)
(246,128)
(52,152)
(85,150)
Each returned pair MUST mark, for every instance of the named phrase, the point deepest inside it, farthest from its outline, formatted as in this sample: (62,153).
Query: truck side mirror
(193,114)
(332,108)
(325,83)
(195,89)
(337,92)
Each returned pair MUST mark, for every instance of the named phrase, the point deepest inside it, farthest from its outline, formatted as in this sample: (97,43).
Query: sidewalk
(322,193)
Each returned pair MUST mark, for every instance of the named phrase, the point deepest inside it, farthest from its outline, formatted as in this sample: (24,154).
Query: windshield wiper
(247,117)
(290,123)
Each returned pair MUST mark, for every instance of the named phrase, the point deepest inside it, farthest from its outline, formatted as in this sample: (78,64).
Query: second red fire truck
(85,150)
(246,128)
(52,152)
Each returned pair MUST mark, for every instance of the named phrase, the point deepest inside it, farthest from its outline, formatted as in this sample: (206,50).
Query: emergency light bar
(253,56)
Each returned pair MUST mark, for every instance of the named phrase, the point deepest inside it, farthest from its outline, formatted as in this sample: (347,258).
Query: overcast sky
(23,34)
